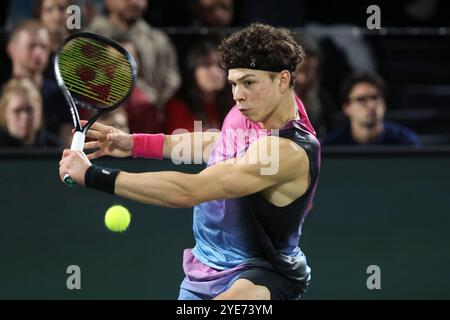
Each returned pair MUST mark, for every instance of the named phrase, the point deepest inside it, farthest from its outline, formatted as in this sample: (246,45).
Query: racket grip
(77,145)
(69,181)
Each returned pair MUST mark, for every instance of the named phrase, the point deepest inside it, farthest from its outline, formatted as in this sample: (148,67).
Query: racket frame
(80,131)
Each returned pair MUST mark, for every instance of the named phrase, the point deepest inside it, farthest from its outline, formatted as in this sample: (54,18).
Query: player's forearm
(167,189)
(193,147)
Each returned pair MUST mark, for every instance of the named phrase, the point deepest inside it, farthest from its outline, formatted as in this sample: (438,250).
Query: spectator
(117,118)
(159,60)
(364,104)
(318,103)
(52,14)
(141,114)
(204,96)
(213,13)
(29,48)
(21,117)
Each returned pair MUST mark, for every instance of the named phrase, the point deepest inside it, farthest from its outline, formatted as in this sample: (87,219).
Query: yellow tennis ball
(117,218)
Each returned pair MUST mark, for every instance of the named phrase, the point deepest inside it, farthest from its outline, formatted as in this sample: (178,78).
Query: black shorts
(280,287)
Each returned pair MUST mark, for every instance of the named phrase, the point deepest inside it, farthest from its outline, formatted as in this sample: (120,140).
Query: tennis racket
(92,72)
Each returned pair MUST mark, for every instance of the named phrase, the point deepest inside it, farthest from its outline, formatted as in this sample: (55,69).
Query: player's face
(23,116)
(366,105)
(257,95)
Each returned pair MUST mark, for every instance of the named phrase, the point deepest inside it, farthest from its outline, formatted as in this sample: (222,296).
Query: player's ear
(285,80)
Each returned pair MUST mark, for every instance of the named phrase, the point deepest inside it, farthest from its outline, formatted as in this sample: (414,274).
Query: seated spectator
(21,117)
(159,64)
(364,105)
(143,116)
(53,15)
(117,119)
(213,13)
(204,96)
(29,48)
(318,103)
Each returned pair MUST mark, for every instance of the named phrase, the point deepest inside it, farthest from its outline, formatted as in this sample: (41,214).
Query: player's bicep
(192,147)
(229,180)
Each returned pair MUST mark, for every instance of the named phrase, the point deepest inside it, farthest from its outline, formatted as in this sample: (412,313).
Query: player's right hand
(109,140)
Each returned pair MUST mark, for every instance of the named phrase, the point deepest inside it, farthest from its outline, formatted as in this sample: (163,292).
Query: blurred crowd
(179,75)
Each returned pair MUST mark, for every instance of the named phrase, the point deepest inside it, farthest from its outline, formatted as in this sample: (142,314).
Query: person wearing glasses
(21,117)
(364,105)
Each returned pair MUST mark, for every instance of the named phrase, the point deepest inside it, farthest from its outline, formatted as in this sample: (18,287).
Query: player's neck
(282,114)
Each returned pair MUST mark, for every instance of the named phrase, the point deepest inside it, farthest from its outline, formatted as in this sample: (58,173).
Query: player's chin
(252,117)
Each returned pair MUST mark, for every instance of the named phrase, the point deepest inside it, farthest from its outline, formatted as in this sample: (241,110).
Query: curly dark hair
(262,47)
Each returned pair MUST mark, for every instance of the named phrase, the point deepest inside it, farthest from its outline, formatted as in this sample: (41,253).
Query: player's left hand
(74,163)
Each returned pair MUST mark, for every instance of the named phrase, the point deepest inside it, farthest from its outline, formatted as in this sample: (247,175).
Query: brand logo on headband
(259,62)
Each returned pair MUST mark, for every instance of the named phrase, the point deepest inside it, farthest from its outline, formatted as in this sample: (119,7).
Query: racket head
(94,72)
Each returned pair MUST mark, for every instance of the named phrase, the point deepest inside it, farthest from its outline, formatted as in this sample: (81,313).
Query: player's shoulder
(235,119)
(290,149)
(279,148)
(283,157)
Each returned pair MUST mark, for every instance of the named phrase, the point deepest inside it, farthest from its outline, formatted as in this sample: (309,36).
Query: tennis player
(251,200)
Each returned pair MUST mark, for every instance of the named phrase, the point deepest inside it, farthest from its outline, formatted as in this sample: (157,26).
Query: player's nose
(238,94)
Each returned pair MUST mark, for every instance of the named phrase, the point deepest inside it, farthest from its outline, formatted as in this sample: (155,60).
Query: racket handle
(77,145)
(69,181)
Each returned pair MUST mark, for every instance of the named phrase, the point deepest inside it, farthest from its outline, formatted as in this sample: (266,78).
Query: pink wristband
(148,146)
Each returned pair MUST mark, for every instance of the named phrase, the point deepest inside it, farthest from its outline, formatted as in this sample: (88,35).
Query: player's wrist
(83,175)
(131,145)
(148,146)
(102,179)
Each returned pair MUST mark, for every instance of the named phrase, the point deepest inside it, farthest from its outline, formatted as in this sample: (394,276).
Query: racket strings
(116,92)
(103,54)
(96,71)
